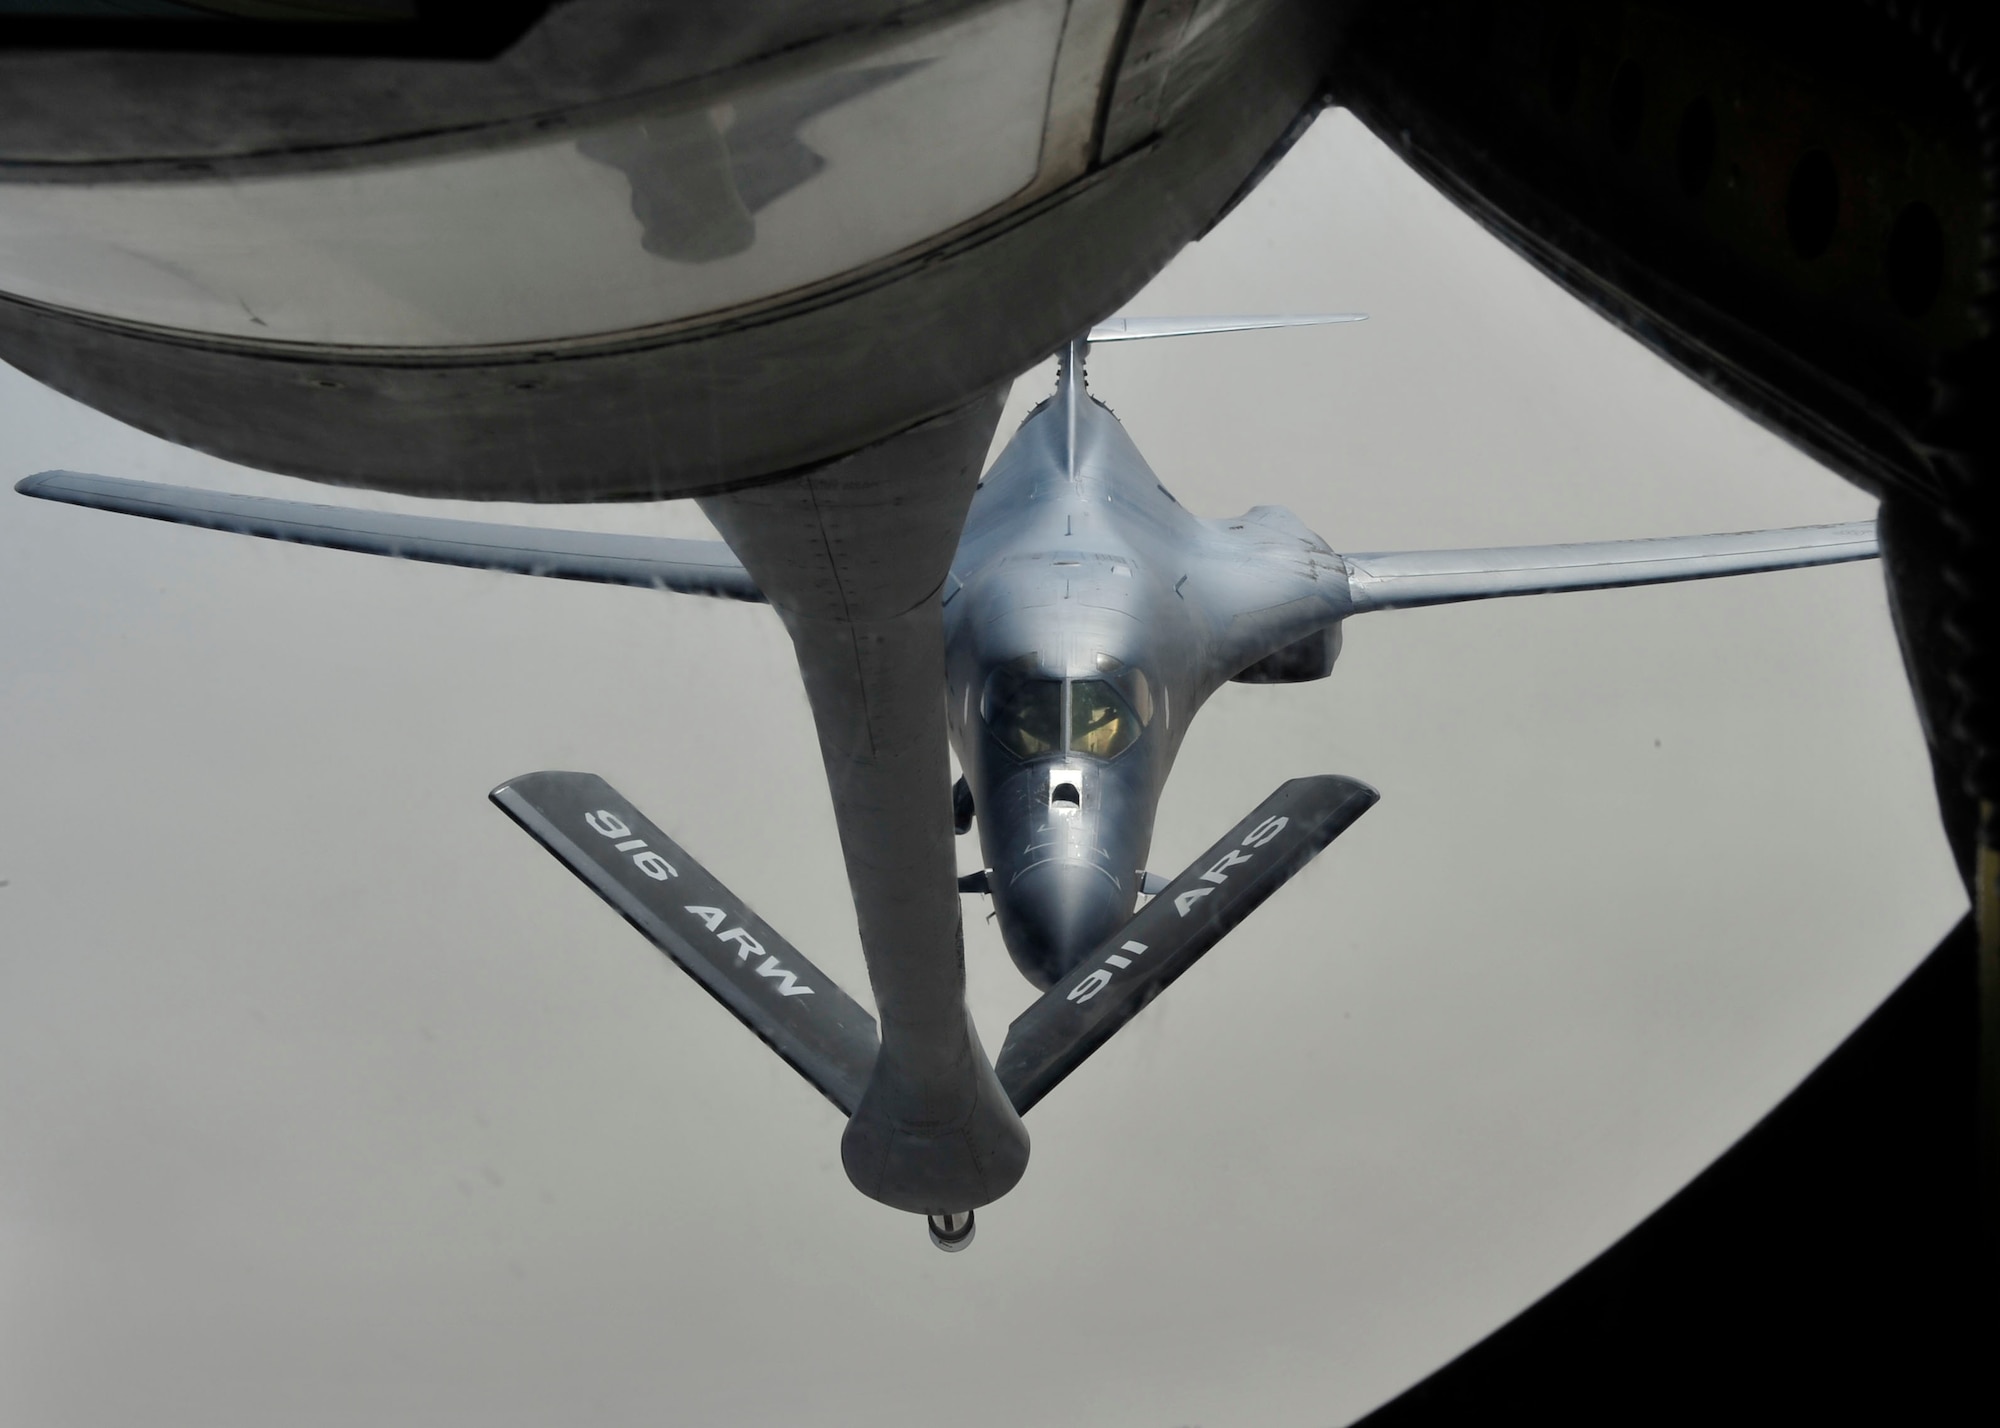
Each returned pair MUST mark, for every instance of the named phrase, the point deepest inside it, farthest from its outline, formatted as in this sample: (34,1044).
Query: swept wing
(1401,580)
(691,567)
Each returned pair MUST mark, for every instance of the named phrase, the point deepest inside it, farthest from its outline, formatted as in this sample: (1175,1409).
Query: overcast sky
(328,1098)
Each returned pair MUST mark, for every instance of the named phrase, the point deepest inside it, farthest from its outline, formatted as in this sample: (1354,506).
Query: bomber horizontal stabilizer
(1133,329)
(690,567)
(1169,934)
(681,909)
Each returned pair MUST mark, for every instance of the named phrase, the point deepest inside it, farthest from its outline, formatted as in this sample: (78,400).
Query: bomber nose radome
(1054,912)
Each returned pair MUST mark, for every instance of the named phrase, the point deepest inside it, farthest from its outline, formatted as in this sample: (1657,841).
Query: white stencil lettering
(1090,986)
(654,866)
(1264,832)
(789,986)
(1227,860)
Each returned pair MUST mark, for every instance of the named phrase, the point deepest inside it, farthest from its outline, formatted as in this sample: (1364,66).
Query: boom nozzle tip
(953,1232)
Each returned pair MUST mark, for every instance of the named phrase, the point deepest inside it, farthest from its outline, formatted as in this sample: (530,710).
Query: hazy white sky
(327,1098)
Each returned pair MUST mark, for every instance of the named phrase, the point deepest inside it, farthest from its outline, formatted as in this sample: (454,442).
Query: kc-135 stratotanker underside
(1087,616)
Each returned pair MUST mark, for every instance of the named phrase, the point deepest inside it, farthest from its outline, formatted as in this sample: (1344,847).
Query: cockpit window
(1024,712)
(1100,723)
(1131,682)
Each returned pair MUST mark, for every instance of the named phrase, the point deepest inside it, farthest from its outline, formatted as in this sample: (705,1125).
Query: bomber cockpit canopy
(1033,714)
(1024,710)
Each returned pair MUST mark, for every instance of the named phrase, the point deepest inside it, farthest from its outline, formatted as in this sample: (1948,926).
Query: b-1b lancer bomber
(1087,617)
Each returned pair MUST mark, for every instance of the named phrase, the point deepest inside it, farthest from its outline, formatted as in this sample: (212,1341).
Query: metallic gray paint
(900,581)
(1074,553)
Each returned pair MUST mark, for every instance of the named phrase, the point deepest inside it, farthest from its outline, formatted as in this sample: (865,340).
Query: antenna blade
(1132,329)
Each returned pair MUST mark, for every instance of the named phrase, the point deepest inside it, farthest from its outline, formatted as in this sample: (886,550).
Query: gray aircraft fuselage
(1088,615)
